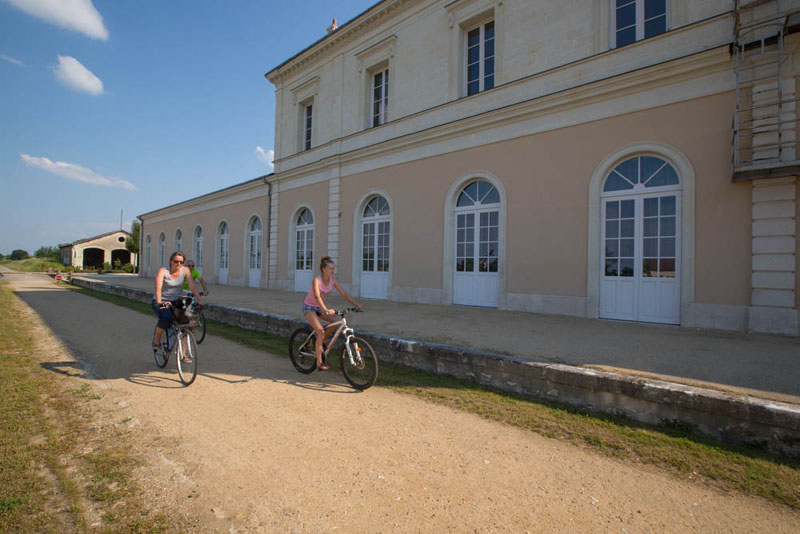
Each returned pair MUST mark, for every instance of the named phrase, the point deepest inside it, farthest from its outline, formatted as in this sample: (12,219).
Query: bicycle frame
(342,328)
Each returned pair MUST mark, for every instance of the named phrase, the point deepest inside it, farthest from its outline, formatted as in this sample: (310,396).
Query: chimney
(333,27)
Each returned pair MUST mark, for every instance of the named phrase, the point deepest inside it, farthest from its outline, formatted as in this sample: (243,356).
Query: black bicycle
(358,360)
(179,339)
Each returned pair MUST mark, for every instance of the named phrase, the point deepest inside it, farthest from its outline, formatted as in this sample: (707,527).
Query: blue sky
(111,106)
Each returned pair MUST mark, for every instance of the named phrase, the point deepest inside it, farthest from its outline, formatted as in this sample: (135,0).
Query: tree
(132,244)
(19,254)
(47,252)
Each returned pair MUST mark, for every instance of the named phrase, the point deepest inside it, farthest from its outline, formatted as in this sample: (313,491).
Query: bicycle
(358,360)
(200,329)
(179,340)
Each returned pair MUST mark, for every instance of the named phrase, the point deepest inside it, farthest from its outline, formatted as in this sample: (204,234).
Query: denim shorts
(307,308)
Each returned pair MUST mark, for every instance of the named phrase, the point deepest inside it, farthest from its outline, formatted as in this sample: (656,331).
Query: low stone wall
(728,417)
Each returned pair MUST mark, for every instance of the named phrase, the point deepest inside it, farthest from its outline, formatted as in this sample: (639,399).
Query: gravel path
(253,446)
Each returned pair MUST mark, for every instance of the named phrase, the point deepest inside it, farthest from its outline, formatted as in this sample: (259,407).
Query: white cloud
(72,73)
(75,172)
(77,15)
(266,157)
(11,60)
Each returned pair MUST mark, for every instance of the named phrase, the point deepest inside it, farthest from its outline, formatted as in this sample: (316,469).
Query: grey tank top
(172,289)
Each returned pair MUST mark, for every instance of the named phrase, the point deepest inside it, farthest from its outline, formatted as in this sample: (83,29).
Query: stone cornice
(236,193)
(345,34)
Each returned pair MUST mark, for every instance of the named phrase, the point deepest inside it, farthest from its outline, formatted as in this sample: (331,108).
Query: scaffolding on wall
(765,121)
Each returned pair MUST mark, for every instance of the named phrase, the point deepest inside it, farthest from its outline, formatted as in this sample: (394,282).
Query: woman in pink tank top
(314,307)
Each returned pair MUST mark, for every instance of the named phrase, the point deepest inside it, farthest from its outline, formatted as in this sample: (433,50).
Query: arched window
(148,243)
(223,245)
(641,172)
(162,249)
(255,249)
(640,230)
(304,251)
(198,247)
(375,236)
(178,240)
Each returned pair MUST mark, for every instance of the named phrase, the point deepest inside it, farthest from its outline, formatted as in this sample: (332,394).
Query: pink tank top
(311,300)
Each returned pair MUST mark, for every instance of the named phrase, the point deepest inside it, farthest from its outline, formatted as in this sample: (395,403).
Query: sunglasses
(177,261)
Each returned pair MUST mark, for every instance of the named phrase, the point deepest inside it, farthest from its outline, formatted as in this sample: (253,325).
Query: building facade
(93,252)
(224,232)
(619,159)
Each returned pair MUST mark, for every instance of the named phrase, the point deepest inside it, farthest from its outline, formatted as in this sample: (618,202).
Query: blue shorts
(165,315)
(307,308)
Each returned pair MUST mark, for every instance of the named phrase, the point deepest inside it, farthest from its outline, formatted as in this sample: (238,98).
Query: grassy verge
(678,450)
(32,265)
(56,470)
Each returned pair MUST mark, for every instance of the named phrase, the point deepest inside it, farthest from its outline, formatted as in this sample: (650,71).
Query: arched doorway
(641,242)
(303,249)
(477,241)
(223,249)
(376,237)
(254,252)
(93,258)
(120,257)
(198,249)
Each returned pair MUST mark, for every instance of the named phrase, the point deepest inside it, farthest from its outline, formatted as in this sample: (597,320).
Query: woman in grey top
(169,288)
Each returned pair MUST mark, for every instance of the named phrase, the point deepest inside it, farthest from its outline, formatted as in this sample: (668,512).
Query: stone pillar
(772,301)
(334,205)
(273,239)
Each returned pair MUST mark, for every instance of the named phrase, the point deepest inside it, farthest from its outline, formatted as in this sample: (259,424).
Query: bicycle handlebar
(342,313)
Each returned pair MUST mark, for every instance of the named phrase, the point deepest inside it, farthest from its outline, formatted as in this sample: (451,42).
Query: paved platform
(758,365)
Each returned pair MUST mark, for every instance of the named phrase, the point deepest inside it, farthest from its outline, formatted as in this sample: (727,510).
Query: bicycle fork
(354,358)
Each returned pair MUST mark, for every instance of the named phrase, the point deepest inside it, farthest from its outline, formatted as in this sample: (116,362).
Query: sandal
(322,367)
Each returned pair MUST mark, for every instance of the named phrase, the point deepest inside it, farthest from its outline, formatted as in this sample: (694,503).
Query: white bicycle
(358,360)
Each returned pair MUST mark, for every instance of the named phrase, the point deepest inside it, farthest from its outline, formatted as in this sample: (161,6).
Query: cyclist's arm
(192,286)
(159,282)
(203,283)
(345,295)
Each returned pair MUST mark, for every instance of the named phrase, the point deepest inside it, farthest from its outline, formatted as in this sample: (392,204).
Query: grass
(48,482)
(676,449)
(31,265)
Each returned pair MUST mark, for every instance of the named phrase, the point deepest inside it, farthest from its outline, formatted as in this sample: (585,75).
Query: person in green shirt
(196,276)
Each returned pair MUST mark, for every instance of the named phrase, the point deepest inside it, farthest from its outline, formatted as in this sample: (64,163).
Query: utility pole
(120,218)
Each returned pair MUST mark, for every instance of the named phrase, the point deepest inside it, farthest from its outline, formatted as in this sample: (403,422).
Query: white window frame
(382,101)
(223,256)
(178,240)
(481,27)
(377,57)
(462,17)
(304,97)
(162,249)
(255,257)
(640,21)
(197,241)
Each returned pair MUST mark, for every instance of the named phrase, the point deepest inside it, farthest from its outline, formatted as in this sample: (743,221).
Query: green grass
(31,265)
(46,478)
(676,449)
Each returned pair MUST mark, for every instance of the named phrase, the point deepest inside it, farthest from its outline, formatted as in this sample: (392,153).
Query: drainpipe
(269,222)
(141,244)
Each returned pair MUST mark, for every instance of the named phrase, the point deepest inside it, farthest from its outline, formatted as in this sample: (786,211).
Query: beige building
(224,232)
(618,159)
(93,252)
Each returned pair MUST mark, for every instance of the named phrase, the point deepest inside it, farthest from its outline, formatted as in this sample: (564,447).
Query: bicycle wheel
(201,327)
(301,350)
(162,354)
(362,371)
(186,357)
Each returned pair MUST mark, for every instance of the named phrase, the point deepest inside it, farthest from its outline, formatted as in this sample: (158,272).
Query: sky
(114,108)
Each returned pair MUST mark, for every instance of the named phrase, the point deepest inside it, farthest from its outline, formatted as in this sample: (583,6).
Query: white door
(254,247)
(477,228)
(304,251)
(375,249)
(223,253)
(641,243)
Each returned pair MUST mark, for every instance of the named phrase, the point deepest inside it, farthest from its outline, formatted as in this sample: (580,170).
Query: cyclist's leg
(164,321)
(313,320)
